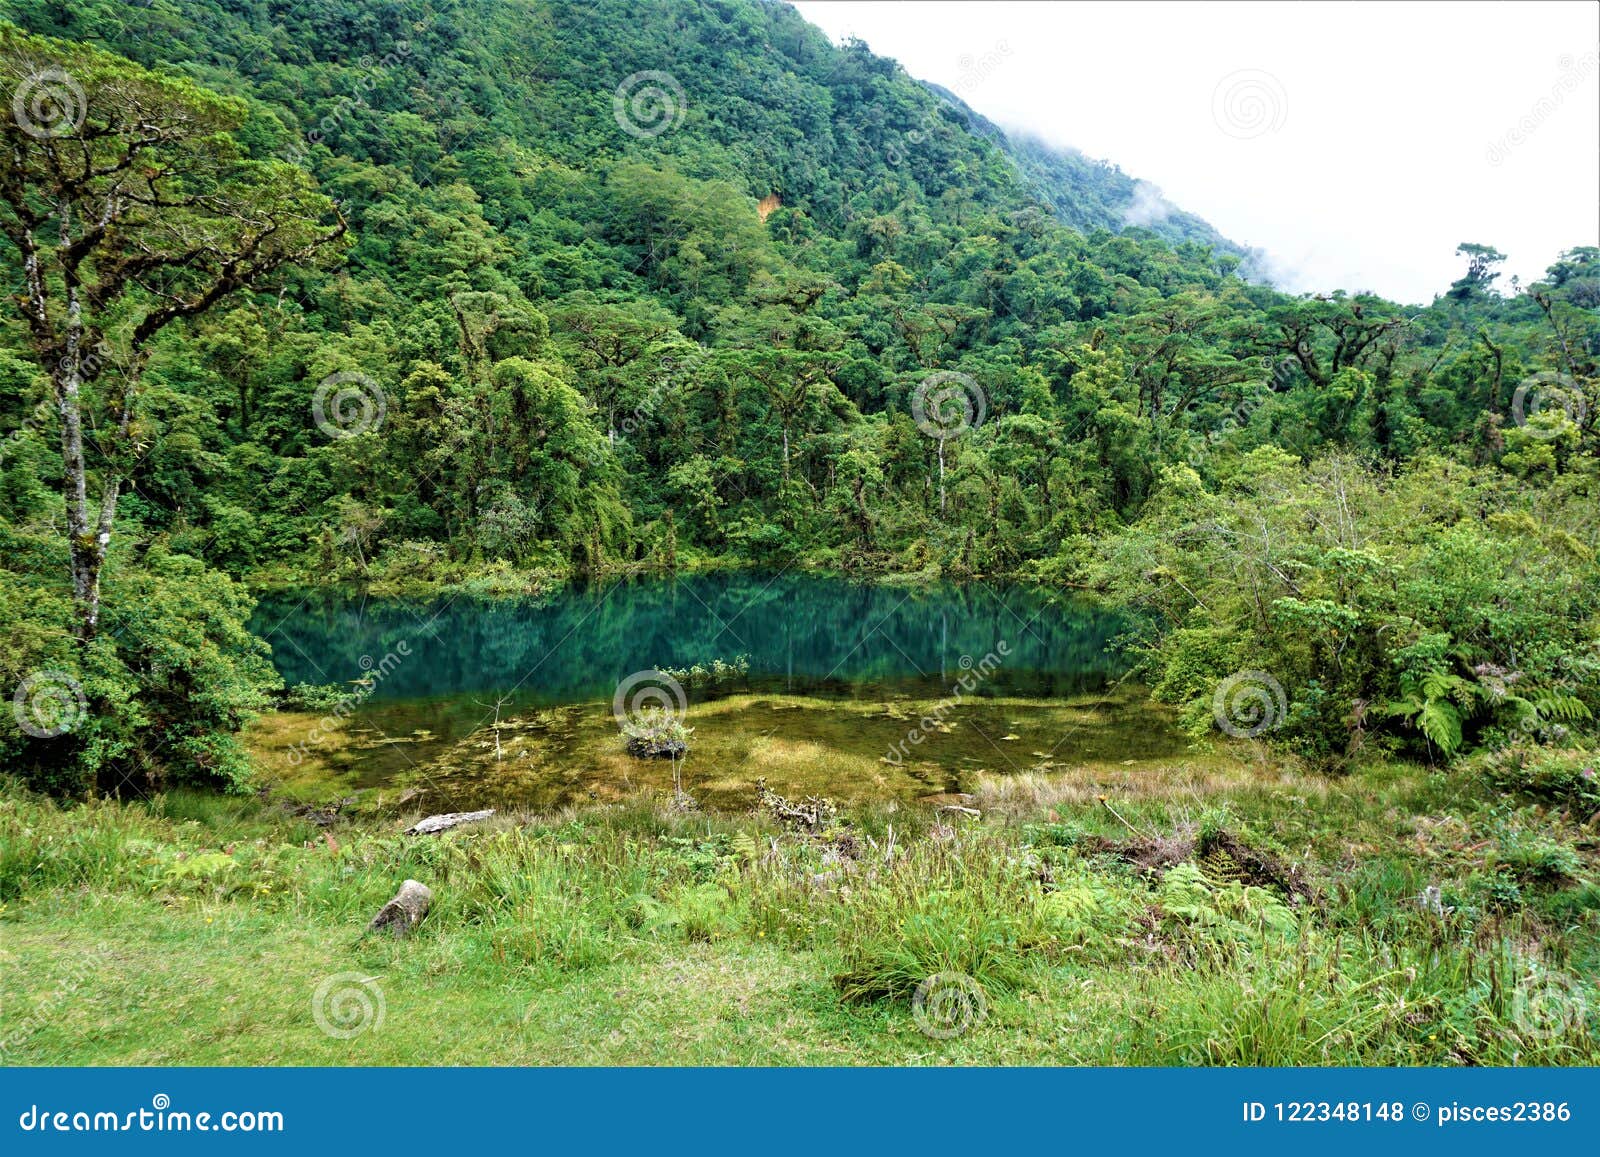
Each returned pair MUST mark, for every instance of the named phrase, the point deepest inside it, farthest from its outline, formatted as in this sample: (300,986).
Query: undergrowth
(1401,922)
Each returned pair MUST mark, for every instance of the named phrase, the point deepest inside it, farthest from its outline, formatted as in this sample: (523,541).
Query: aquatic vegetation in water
(711,675)
(801,745)
(656,733)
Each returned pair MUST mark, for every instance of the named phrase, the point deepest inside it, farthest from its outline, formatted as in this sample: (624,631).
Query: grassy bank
(1184,916)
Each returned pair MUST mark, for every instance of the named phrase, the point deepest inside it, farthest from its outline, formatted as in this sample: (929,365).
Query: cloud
(1148,206)
(1390,218)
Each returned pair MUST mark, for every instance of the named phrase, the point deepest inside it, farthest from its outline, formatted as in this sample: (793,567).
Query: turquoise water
(489,703)
(800,633)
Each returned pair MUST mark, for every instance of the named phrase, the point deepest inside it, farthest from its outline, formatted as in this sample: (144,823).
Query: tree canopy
(577,332)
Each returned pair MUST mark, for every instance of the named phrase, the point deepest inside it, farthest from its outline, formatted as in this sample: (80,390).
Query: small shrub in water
(656,733)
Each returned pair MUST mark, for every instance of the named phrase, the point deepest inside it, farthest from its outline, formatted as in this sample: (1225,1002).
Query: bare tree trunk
(86,541)
(114,234)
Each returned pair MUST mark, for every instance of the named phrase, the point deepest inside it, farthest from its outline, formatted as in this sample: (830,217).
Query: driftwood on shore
(443,823)
(403,913)
(812,815)
(321,816)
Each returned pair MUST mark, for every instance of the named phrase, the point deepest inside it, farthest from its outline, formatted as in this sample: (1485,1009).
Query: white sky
(1356,148)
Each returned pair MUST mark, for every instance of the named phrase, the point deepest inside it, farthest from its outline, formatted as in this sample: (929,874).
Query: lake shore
(498,580)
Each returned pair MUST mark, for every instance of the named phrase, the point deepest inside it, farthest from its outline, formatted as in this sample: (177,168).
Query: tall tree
(1479,279)
(610,341)
(130,207)
(790,380)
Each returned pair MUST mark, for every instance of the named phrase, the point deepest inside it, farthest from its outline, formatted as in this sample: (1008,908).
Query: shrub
(1537,859)
(1344,602)
(165,686)
(656,733)
(314,697)
(1569,778)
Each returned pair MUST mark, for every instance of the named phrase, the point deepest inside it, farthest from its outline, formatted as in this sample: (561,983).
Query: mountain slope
(650,286)
(1087,194)
(628,276)
(767,103)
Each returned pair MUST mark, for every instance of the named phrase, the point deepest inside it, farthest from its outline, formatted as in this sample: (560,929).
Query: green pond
(831,687)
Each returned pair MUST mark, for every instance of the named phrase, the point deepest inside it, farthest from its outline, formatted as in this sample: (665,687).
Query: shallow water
(841,677)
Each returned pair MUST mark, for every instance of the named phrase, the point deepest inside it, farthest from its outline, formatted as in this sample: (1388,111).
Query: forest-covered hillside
(629,286)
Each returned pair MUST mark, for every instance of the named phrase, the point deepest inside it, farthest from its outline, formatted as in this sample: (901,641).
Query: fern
(1559,705)
(1440,685)
(1440,720)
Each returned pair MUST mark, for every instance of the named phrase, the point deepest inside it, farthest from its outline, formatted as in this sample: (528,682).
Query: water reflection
(801,633)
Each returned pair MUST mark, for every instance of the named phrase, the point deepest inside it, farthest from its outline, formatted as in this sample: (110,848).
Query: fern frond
(1559,705)
(1440,721)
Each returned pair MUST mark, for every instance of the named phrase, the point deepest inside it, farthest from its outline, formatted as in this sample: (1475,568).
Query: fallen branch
(1106,804)
(443,823)
(812,814)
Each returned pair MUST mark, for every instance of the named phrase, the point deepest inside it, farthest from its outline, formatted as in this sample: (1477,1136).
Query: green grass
(197,929)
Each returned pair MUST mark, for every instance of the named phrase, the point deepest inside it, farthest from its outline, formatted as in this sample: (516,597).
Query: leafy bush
(1229,911)
(716,673)
(1537,859)
(656,733)
(1330,606)
(165,686)
(703,912)
(1569,778)
(314,697)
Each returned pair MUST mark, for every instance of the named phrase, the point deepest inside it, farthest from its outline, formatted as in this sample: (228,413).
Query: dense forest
(557,290)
